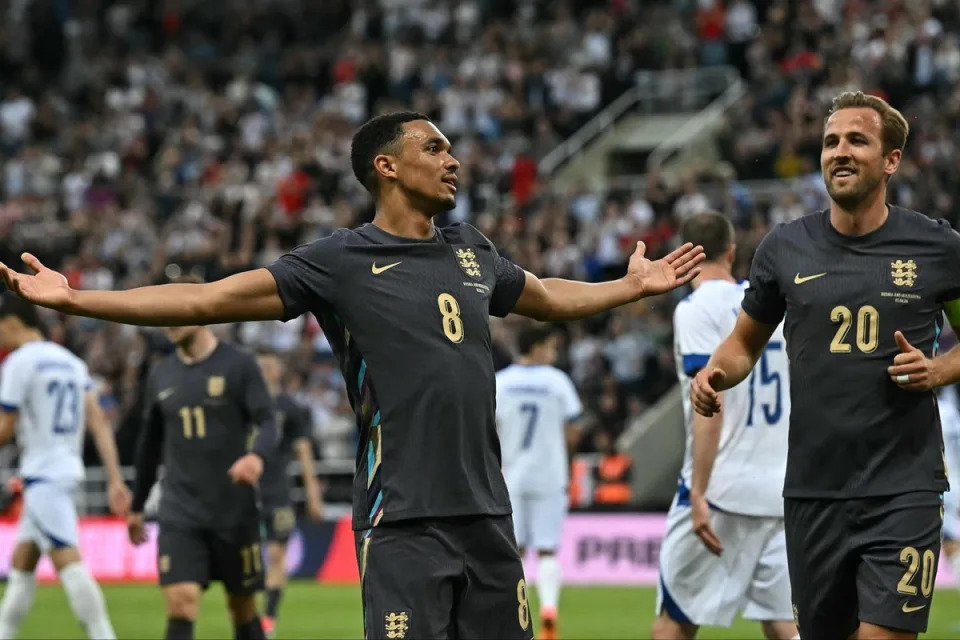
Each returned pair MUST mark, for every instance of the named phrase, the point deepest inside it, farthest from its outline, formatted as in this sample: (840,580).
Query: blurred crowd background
(148,138)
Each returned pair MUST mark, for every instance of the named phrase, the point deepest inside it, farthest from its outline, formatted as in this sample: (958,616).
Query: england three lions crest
(396,624)
(467,260)
(903,272)
(216,386)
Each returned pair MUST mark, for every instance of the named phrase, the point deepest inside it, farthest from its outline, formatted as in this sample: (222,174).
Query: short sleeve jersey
(45,384)
(853,431)
(534,405)
(208,411)
(408,321)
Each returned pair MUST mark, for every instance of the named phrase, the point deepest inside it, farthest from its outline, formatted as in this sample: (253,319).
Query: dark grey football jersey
(293,423)
(202,416)
(408,321)
(853,431)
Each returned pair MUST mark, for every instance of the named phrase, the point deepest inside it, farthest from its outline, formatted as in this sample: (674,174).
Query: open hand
(703,391)
(46,288)
(911,369)
(246,470)
(659,276)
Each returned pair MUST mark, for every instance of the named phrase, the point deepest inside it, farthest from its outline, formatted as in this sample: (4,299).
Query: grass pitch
(316,611)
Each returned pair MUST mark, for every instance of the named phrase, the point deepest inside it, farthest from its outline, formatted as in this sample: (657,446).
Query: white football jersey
(46,384)
(749,469)
(950,423)
(534,404)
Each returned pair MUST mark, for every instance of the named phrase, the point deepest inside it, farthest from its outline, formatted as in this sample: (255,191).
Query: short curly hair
(378,135)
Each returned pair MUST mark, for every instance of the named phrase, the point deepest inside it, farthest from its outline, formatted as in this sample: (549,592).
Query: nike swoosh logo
(166,393)
(378,270)
(798,280)
(908,609)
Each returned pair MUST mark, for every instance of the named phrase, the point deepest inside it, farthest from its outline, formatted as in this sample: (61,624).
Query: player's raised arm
(251,295)
(554,299)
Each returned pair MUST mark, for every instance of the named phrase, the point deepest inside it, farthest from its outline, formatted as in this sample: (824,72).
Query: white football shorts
(538,519)
(49,516)
(751,576)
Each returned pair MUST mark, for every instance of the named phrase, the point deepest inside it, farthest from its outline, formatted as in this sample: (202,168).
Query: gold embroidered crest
(216,386)
(396,624)
(467,260)
(903,273)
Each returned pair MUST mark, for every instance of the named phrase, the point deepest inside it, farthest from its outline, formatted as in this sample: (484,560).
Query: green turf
(323,611)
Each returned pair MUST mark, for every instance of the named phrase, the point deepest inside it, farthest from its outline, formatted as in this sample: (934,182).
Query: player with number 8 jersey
(405,305)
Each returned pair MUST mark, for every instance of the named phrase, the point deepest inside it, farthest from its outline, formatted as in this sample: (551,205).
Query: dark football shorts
(863,559)
(231,556)
(443,578)
(278,523)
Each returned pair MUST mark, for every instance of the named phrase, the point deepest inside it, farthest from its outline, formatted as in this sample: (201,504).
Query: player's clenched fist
(135,529)
(247,470)
(703,391)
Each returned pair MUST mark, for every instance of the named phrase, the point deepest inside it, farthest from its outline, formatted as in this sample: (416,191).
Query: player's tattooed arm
(8,424)
(251,295)
(555,299)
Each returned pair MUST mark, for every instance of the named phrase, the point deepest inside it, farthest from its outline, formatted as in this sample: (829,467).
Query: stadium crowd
(141,139)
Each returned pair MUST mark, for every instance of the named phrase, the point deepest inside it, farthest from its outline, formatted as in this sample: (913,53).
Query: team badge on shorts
(396,624)
(467,260)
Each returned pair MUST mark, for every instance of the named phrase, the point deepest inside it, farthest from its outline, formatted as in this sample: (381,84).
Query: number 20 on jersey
(868,329)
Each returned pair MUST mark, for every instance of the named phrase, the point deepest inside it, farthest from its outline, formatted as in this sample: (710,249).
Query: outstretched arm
(556,299)
(251,295)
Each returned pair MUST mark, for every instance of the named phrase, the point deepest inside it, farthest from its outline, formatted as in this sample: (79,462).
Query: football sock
(249,630)
(179,629)
(86,600)
(548,582)
(17,599)
(273,602)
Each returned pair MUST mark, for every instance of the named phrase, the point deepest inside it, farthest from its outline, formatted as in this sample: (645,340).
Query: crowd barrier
(596,549)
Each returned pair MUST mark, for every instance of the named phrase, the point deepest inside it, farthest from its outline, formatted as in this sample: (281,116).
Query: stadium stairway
(665,121)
